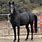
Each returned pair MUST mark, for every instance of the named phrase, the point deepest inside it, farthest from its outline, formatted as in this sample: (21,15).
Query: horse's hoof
(26,39)
(31,38)
(18,40)
(14,40)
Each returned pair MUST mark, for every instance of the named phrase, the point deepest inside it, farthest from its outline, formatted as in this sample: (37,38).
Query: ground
(22,40)
(6,34)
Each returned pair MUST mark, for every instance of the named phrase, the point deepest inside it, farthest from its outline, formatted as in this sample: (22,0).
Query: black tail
(35,24)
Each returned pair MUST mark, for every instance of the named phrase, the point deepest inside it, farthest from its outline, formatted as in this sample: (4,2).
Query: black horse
(20,19)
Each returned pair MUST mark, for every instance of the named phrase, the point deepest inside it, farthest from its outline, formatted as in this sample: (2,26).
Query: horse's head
(11,7)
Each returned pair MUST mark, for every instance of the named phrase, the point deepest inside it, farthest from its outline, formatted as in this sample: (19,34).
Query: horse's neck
(13,14)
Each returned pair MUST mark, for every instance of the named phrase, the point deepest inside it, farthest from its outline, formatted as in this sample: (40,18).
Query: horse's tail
(35,24)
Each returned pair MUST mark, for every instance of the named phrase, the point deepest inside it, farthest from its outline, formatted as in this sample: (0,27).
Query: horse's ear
(13,3)
(9,3)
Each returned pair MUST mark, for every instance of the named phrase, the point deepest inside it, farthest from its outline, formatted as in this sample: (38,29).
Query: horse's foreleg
(18,33)
(32,31)
(27,32)
(14,33)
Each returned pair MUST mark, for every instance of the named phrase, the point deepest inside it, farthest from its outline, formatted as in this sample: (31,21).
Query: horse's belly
(23,23)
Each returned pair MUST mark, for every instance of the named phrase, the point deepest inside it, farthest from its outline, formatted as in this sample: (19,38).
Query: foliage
(4,8)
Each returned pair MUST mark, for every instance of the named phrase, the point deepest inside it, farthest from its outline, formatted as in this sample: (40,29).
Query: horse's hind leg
(27,32)
(18,33)
(32,31)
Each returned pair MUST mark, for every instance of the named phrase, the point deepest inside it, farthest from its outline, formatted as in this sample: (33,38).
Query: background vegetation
(29,4)
(25,4)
